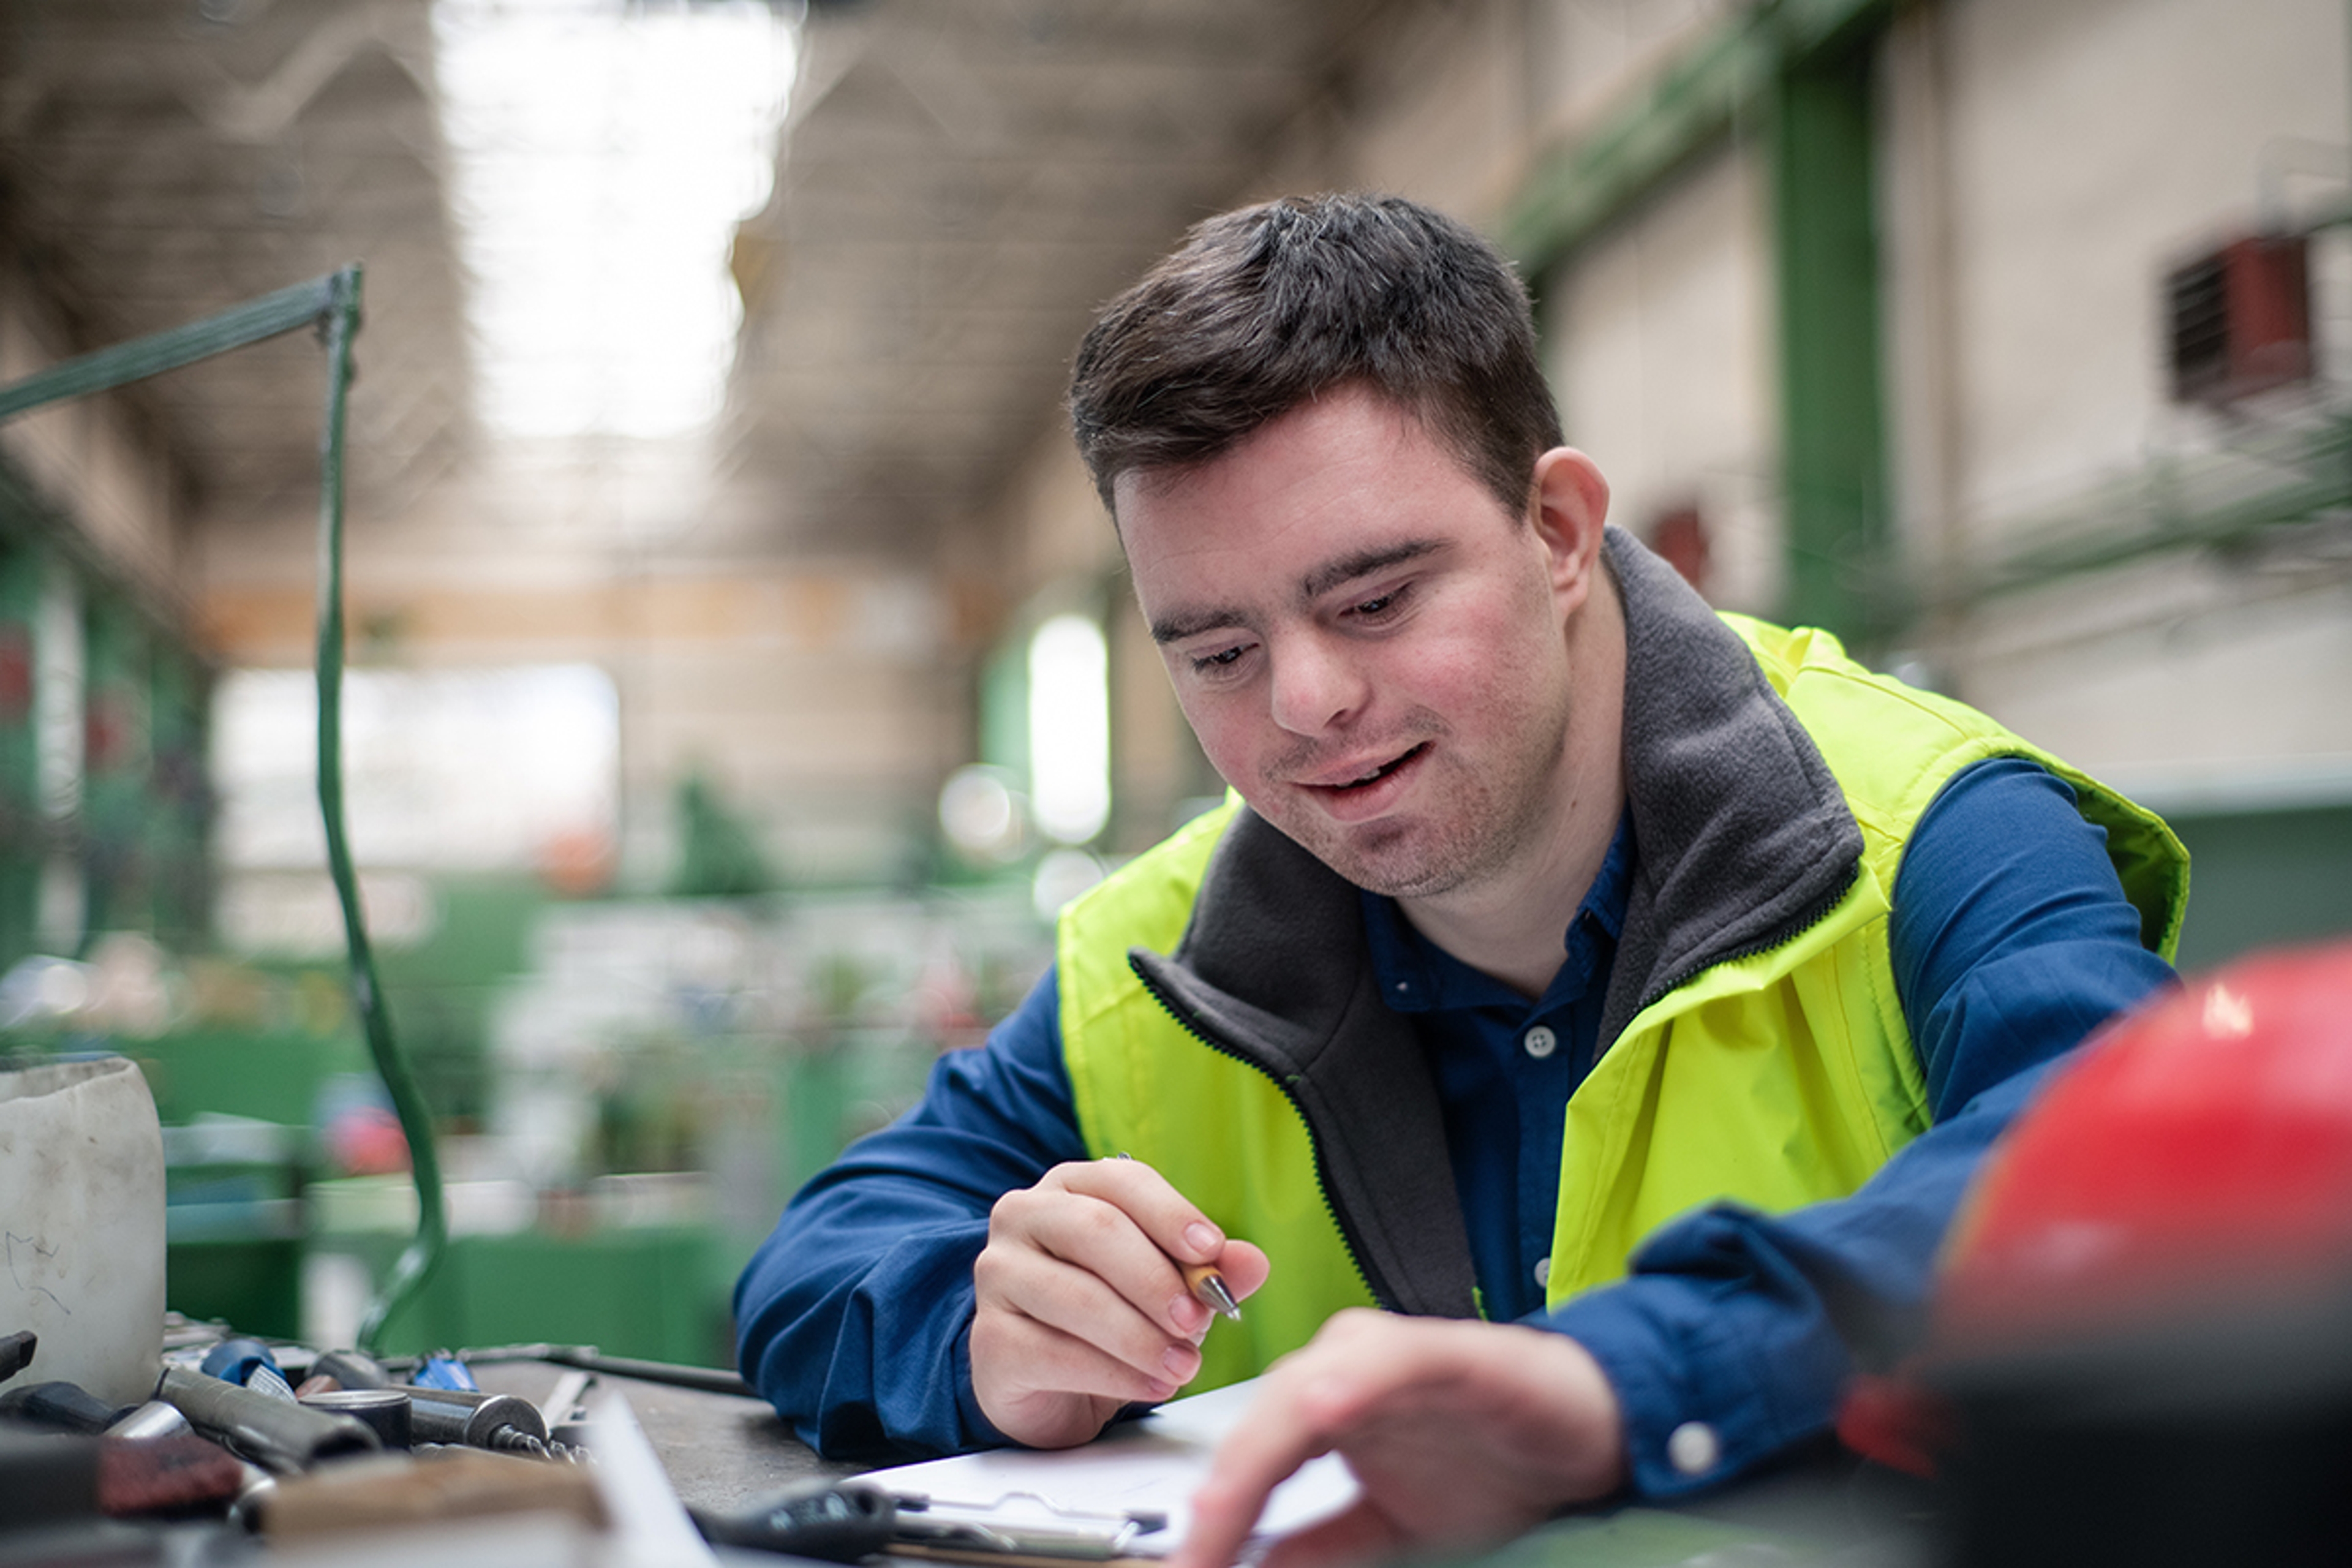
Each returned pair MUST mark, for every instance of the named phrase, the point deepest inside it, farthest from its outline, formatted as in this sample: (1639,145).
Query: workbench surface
(724,1452)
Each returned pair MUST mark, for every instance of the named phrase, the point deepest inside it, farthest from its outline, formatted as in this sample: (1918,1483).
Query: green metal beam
(272,315)
(2167,509)
(1697,99)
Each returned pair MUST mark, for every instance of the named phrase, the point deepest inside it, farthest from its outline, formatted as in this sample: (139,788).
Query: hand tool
(386,1411)
(840,1522)
(353,1369)
(153,1419)
(248,1364)
(588,1358)
(505,1422)
(61,1407)
(394,1490)
(442,1370)
(276,1434)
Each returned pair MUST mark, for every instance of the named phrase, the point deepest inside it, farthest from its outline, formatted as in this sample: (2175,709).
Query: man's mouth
(1374,775)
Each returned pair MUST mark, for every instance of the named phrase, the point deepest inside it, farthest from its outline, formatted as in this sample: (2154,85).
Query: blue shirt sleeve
(852,1317)
(2010,939)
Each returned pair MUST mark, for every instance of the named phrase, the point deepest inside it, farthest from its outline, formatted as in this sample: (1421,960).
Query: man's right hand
(1081,1310)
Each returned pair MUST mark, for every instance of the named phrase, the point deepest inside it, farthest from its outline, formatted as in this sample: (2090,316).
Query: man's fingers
(1039,1358)
(1360,1533)
(1245,1268)
(1280,1434)
(1101,1240)
(1082,1304)
(1166,1217)
(1081,1300)
(1459,1432)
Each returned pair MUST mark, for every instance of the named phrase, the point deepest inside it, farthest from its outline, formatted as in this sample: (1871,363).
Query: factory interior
(736,668)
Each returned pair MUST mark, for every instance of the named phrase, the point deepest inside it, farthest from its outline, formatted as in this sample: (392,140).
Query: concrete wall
(822,699)
(2076,151)
(1661,354)
(2045,167)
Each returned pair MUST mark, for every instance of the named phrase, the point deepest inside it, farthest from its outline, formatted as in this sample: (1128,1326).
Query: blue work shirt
(2010,939)
(1505,1069)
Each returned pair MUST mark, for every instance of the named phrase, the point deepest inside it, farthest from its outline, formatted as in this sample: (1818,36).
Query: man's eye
(1207,662)
(1379,606)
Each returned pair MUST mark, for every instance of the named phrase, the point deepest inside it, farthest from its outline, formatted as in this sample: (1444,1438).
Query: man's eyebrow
(1364,563)
(1320,581)
(1176,628)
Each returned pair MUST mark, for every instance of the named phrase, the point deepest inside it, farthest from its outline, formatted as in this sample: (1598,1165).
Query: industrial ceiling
(166,159)
(959,182)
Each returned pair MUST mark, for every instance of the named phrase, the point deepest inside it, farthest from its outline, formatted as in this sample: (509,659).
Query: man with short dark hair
(1643,981)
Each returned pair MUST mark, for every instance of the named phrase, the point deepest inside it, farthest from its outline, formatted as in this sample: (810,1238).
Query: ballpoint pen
(1209,1288)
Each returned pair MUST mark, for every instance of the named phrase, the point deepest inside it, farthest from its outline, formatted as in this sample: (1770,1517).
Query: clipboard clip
(1010,1526)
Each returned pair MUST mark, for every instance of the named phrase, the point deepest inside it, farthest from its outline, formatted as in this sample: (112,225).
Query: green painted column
(24,836)
(179,823)
(1825,245)
(117,869)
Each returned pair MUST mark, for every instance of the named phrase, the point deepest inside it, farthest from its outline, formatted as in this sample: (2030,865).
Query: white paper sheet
(1149,1466)
(650,1527)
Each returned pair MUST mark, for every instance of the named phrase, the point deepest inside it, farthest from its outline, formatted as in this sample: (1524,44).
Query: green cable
(416,1261)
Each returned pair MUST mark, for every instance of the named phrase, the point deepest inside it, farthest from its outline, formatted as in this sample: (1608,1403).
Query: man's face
(1368,645)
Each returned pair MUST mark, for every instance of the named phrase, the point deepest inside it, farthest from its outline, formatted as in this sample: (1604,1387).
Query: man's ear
(1570,505)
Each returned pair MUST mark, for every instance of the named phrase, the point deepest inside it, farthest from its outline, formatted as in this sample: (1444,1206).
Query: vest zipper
(1790,933)
(1347,1235)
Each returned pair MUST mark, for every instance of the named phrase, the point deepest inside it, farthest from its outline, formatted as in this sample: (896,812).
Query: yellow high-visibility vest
(1781,1078)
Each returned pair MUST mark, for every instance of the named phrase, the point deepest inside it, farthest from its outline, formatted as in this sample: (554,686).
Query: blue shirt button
(1694,1449)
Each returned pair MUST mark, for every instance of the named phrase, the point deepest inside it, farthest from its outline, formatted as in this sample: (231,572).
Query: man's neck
(1513,926)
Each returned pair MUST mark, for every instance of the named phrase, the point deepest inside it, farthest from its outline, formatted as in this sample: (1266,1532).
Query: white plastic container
(82,1225)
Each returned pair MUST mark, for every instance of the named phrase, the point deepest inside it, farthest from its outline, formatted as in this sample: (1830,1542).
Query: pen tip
(1214,1292)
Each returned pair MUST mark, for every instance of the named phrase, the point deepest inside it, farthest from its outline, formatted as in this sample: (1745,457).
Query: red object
(2192,1165)
(367,1141)
(1896,1422)
(2240,318)
(16,672)
(1679,537)
(2196,1155)
(178,1474)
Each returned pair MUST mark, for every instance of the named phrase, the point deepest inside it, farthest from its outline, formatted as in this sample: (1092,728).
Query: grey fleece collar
(1742,840)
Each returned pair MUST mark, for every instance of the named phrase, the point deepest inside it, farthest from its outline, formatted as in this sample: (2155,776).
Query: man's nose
(1317,685)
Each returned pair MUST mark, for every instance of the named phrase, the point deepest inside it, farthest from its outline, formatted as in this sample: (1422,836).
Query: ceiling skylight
(604,151)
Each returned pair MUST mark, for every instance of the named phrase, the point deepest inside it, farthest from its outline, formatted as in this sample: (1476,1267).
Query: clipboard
(1124,1498)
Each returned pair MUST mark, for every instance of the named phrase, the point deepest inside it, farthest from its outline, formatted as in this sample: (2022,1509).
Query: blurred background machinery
(741,668)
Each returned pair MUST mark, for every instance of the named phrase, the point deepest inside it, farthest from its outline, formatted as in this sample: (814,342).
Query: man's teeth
(1380,771)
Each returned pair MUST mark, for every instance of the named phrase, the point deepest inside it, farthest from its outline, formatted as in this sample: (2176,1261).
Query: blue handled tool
(248,1364)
